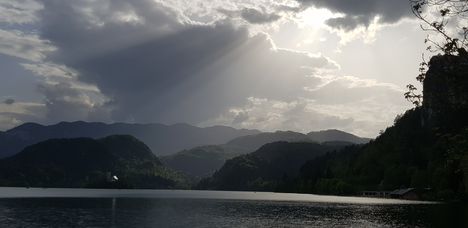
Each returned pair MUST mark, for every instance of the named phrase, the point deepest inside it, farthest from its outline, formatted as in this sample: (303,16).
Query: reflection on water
(183,212)
(188,194)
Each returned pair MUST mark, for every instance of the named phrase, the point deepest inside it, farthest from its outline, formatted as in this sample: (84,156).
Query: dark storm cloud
(161,67)
(240,118)
(257,17)
(8,118)
(9,101)
(63,102)
(348,22)
(251,15)
(362,12)
(82,29)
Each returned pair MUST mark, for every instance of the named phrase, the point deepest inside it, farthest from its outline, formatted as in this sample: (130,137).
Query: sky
(300,65)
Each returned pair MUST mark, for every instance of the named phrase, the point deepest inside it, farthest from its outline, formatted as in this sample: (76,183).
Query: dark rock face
(445,93)
(465,171)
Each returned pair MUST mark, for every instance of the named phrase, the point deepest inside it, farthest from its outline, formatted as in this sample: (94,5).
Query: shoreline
(23,192)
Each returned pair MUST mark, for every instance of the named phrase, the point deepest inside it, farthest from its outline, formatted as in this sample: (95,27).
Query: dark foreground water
(145,208)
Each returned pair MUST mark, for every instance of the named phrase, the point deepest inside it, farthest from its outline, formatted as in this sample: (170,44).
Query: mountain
(202,161)
(255,141)
(161,139)
(336,135)
(265,168)
(86,162)
(205,160)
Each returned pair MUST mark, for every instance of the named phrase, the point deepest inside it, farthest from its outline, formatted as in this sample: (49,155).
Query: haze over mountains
(194,151)
(205,160)
(161,139)
(266,167)
(254,142)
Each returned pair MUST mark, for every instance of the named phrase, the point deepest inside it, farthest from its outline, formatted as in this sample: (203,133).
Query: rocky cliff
(446,91)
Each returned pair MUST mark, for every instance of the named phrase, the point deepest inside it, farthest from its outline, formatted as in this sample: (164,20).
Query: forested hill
(266,168)
(86,162)
(203,161)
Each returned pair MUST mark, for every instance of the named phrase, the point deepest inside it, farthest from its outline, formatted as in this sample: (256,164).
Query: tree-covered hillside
(85,162)
(266,168)
(203,161)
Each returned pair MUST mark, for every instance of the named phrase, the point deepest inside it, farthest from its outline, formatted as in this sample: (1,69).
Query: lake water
(33,207)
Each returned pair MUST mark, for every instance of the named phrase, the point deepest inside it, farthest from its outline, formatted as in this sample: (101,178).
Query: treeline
(410,154)
(407,155)
(112,162)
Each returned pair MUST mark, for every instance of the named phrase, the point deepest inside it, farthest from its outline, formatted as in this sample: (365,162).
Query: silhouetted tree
(447,20)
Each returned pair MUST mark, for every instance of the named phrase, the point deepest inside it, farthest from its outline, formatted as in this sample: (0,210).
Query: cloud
(49,70)
(9,101)
(65,103)
(20,112)
(27,46)
(252,15)
(19,11)
(348,89)
(257,17)
(362,12)
(359,106)
(165,69)
(240,117)
(271,115)
(348,23)
(65,97)
(156,61)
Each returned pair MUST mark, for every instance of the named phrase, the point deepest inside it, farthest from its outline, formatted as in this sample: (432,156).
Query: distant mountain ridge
(254,142)
(161,139)
(203,161)
(336,135)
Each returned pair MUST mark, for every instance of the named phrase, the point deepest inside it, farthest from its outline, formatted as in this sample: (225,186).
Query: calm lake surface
(34,207)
